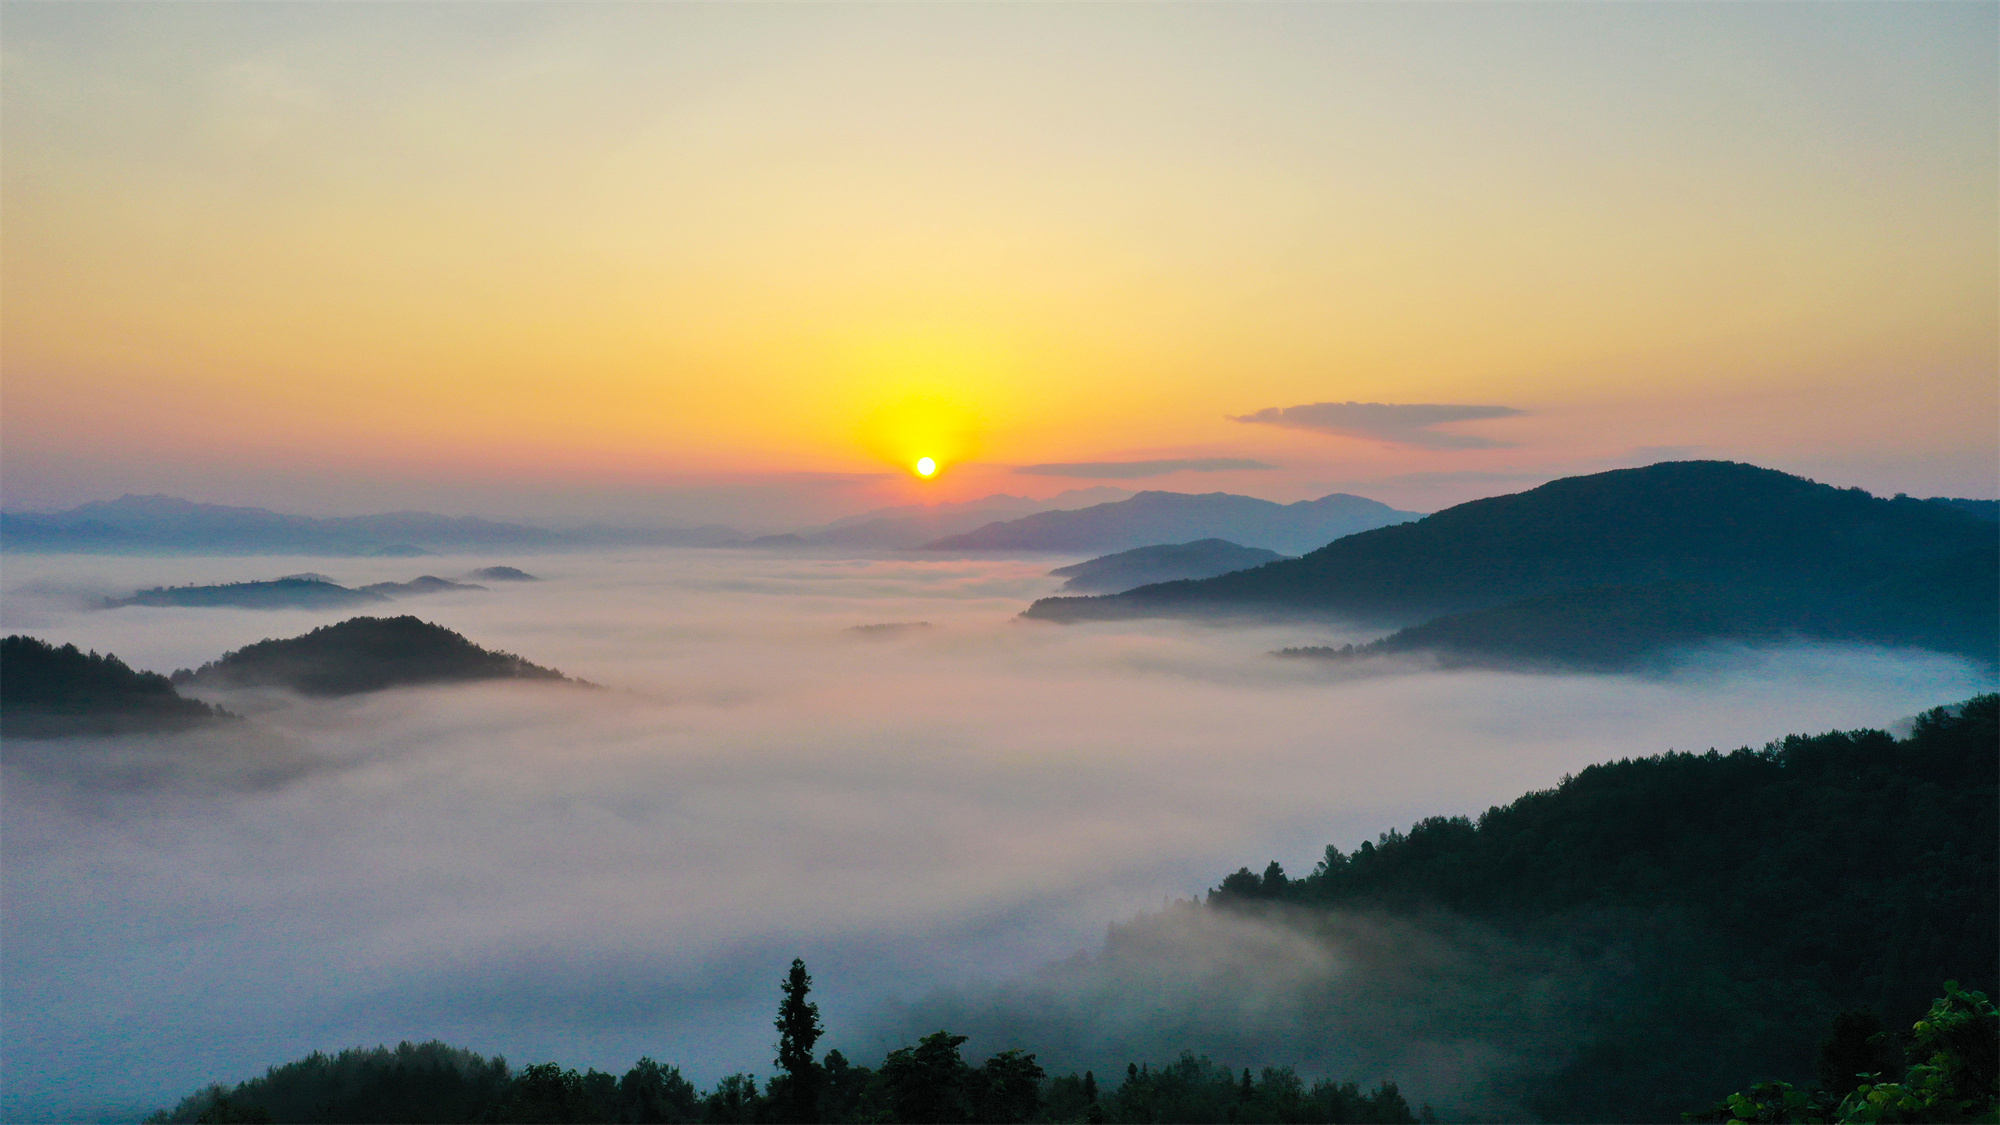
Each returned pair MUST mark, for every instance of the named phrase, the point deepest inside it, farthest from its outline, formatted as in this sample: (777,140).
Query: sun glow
(927,466)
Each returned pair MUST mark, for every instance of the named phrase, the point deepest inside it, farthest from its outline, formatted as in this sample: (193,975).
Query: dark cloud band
(1127,470)
(1401,423)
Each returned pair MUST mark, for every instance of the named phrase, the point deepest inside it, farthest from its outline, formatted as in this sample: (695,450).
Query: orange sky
(499,258)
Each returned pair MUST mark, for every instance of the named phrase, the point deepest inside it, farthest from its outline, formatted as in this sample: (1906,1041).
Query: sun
(926,466)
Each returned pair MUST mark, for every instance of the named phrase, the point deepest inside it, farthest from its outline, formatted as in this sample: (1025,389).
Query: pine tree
(798,1029)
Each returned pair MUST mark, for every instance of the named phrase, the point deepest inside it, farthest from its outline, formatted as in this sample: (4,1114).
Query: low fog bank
(1458,1015)
(593,876)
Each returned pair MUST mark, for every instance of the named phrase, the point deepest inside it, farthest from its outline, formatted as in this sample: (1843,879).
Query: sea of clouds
(938,820)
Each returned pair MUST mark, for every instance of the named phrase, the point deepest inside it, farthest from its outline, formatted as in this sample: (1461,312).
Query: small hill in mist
(1173,517)
(503,574)
(298,591)
(48,692)
(1165,562)
(281,593)
(1606,569)
(364,654)
(422,584)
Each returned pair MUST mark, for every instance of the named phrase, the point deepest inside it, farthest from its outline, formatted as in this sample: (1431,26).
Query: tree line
(930,1081)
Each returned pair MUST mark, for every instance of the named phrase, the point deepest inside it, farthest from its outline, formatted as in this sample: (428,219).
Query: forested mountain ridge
(1674,551)
(46,692)
(1746,898)
(364,654)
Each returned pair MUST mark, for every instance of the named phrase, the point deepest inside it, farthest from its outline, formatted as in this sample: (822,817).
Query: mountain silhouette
(1176,517)
(1599,570)
(1165,562)
(364,654)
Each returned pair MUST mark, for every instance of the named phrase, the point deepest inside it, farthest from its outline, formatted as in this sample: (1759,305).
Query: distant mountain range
(1166,562)
(1152,518)
(363,654)
(913,525)
(167,525)
(1606,570)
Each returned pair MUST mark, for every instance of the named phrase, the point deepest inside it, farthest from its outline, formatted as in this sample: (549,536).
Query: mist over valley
(530,870)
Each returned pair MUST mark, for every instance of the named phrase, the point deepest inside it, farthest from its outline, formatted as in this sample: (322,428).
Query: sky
(680,263)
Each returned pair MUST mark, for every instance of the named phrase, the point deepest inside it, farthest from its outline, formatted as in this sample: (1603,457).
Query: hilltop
(1152,518)
(1602,569)
(364,654)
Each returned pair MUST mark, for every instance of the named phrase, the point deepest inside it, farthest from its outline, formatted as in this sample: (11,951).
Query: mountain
(48,692)
(297,592)
(1606,568)
(1713,910)
(168,525)
(1141,566)
(1172,517)
(422,584)
(503,574)
(165,524)
(912,525)
(364,654)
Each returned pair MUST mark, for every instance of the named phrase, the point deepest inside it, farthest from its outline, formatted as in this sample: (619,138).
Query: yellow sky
(631,244)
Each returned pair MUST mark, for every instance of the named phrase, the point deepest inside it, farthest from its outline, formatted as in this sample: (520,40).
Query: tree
(1010,1088)
(928,1082)
(798,1029)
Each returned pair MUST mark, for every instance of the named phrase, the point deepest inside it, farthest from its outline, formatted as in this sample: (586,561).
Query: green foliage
(1959,1077)
(1958,1081)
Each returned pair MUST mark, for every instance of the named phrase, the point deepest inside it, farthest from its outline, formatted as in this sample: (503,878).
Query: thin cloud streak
(1130,470)
(1396,423)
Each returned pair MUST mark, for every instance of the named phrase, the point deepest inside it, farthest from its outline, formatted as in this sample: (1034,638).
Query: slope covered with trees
(47,692)
(1742,899)
(1611,567)
(364,654)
